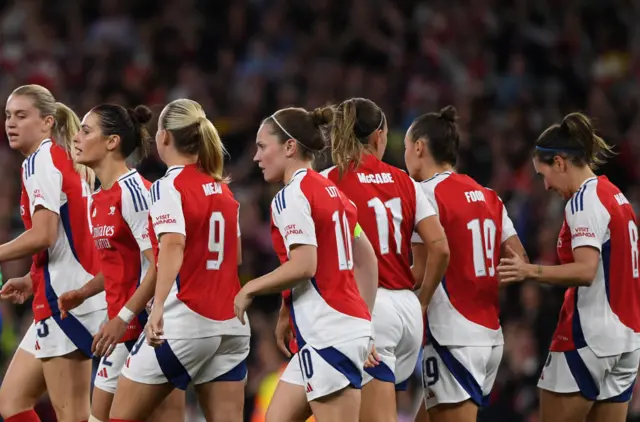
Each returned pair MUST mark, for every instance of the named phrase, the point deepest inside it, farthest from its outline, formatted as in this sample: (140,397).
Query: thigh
(378,402)
(171,409)
(135,401)
(288,404)
(563,407)
(222,401)
(23,383)
(326,371)
(343,406)
(68,380)
(101,404)
(388,329)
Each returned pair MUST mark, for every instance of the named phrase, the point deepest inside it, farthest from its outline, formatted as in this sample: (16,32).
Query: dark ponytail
(575,139)
(128,124)
(440,133)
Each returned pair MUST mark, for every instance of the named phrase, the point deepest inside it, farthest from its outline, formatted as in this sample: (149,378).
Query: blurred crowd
(510,67)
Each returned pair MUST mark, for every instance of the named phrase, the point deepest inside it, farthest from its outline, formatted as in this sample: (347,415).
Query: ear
(165,137)
(49,122)
(112,142)
(559,164)
(419,146)
(290,147)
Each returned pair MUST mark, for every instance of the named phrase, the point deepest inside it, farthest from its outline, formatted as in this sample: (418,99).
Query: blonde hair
(194,134)
(66,123)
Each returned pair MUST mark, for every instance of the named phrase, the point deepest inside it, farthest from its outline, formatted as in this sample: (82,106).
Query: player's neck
(428,172)
(290,171)
(579,176)
(173,158)
(109,171)
(28,151)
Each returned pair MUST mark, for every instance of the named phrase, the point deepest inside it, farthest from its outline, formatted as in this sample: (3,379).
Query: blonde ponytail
(66,127)
(211,152)
(346,148)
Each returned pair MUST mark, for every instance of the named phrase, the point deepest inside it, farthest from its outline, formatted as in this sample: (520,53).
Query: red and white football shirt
(327,309)
(605,315)
(390,204)
(464,310)
(50,181)
(120,226)
(190,202)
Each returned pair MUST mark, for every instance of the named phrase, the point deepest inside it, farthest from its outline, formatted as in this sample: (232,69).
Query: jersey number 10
(483,238)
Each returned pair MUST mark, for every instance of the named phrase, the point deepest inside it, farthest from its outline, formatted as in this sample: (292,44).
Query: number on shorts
(105,362)
(305,357)
(430,374)
(216,240)
(483,239)
(43,329)
(136,347)
(382,222)
(635,259)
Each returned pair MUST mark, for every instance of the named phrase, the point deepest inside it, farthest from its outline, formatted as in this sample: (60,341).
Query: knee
(12,404)
(71,412)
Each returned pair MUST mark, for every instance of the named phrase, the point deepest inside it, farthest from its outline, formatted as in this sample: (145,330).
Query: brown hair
(194,134)
(66,126)
(128,124)
(354,120)
(574,139)
(440,130)
(302,126)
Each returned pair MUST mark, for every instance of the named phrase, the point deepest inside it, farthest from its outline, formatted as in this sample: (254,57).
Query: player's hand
(373,359)
(155,327)
(108,337)
(17,290)
(513,269)
(241,303)
(70,300)
(284,334)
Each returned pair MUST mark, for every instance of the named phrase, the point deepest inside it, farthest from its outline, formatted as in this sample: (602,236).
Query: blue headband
(574,150)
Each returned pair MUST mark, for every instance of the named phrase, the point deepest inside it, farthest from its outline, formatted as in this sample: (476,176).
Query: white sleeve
(292,215)
(507,225)
(239,221)
(43,182)
(588,222)
(426,206)
(135,210)
(166,208)
(326,171)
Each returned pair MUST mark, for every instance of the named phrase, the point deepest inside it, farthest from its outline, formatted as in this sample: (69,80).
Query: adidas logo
(309,388)
(430,394)
(37,345)
(103,373)
(126,363)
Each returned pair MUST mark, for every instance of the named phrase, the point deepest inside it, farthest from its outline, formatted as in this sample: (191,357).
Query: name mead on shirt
(376,178)
(211,188)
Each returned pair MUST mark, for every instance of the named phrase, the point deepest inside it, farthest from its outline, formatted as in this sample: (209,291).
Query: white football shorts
(399,330)
(609,378)
(184,361)
(324,371)
(54,336)
(453,374)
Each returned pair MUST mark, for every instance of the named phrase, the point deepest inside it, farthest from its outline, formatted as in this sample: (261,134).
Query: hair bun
(322,116)
(449,114)
(142,114)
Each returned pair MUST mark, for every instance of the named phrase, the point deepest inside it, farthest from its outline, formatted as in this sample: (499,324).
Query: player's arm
(419,266)
(239,241)
(168,222)
(437,250)
(510,239)
(365,267)
(588,228)
(433,259)
(41,236)
(298,230)
(143,293)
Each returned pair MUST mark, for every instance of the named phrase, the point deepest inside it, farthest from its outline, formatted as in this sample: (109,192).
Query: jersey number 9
(216,240)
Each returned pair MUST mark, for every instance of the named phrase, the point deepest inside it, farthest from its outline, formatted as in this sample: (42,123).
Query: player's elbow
(439,250)
(587,275)
(308,270)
